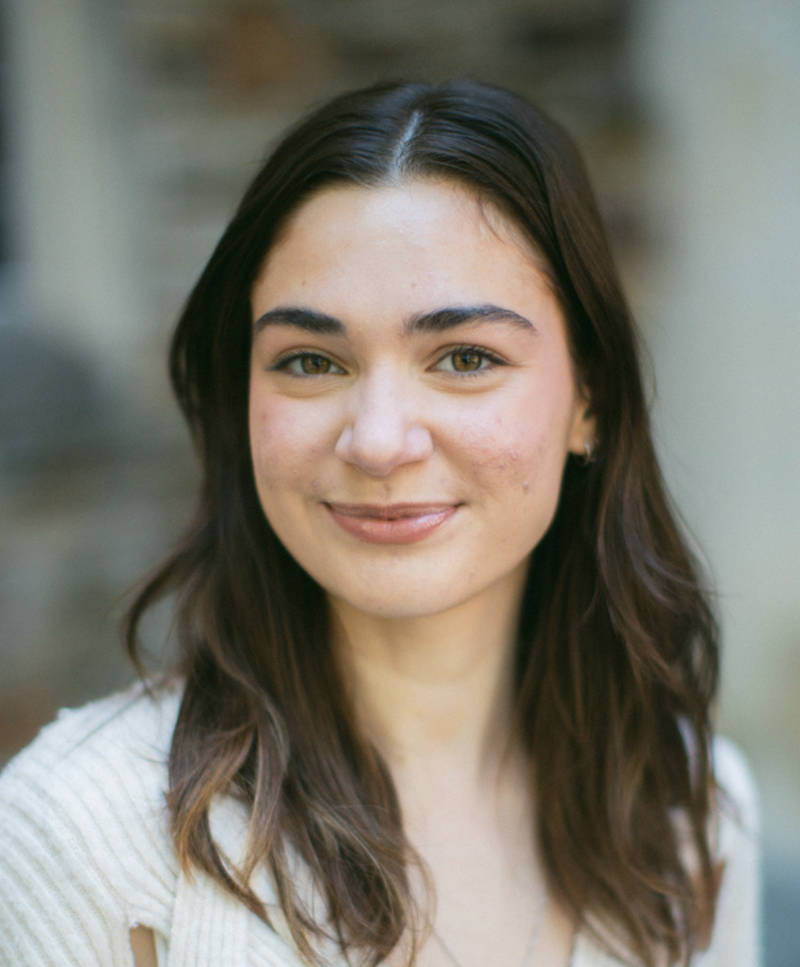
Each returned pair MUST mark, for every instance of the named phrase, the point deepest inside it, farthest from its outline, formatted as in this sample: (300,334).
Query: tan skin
(467,426)
(143,946)
(439,717)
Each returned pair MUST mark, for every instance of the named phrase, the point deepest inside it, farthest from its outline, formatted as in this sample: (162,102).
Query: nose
(383,431)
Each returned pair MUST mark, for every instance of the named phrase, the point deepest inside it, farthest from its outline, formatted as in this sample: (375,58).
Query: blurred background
(128,128)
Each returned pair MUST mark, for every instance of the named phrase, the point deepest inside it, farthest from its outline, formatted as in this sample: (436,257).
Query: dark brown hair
(617,658)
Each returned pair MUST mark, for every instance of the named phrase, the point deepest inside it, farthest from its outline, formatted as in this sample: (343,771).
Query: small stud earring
(588,456)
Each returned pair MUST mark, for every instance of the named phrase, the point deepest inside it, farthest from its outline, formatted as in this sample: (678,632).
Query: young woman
(446,662)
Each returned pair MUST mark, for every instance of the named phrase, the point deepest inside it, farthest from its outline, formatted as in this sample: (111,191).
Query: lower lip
(400,530)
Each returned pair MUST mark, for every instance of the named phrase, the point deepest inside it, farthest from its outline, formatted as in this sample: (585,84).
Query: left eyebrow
(441,320)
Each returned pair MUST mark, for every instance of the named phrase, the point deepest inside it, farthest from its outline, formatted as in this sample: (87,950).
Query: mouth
(390,523)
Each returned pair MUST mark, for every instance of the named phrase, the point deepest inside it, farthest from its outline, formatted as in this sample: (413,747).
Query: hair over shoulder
(616,661)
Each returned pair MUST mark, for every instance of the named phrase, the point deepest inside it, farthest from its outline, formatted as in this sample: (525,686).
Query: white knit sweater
(85,855)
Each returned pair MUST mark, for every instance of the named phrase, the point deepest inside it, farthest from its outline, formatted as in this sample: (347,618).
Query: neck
(434,692)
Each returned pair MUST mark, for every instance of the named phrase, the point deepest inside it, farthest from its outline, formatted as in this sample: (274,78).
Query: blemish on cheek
(526,487)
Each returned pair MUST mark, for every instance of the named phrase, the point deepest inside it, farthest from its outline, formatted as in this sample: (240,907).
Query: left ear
(583,432)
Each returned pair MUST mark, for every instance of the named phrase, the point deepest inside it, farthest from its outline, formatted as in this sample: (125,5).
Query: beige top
(85,855)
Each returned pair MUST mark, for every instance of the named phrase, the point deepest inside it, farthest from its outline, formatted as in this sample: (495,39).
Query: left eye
(308,364)
(466,359)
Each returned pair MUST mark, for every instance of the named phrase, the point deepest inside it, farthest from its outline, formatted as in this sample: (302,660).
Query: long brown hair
(616,663)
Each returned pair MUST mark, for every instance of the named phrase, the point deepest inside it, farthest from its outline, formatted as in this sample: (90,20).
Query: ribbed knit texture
(85,854)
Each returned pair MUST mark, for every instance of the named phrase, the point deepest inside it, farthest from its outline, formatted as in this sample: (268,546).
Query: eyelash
(487,357)
(282,365)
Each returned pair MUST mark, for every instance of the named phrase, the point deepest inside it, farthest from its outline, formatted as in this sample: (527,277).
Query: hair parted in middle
(616,662)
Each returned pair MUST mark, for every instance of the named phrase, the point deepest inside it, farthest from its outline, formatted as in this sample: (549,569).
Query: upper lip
(390,511)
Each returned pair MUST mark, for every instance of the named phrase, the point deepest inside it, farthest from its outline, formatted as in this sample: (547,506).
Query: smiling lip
(390,524)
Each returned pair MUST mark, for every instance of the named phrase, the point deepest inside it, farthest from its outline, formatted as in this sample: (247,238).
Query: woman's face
(412,397)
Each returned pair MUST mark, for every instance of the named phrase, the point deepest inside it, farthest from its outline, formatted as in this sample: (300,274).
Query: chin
(398,603)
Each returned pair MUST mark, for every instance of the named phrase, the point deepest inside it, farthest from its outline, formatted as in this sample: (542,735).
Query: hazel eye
(468,359)
(308,364)
(315,365)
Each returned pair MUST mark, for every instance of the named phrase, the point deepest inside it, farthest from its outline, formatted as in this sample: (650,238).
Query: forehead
(424,239)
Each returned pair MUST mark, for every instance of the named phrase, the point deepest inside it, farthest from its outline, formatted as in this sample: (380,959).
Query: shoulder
(85,850)
(736,938)
(142,707)
(98,754)
(739,799)
(735,941)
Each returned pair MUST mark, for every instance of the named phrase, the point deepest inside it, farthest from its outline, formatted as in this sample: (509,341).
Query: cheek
(515,456)
(285,444)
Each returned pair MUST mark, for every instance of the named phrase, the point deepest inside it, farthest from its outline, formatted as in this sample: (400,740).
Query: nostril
(378,447)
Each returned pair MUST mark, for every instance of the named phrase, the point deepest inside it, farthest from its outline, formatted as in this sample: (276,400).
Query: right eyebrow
(305,319)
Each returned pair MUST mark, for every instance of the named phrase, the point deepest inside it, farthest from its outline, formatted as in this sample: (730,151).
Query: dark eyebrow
(306,319)
(440,320)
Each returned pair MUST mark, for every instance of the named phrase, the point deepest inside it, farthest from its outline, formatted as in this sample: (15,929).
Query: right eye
(308,364)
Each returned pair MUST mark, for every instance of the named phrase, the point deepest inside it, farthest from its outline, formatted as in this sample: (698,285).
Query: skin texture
(391,421)
(143,947)
(411,468)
